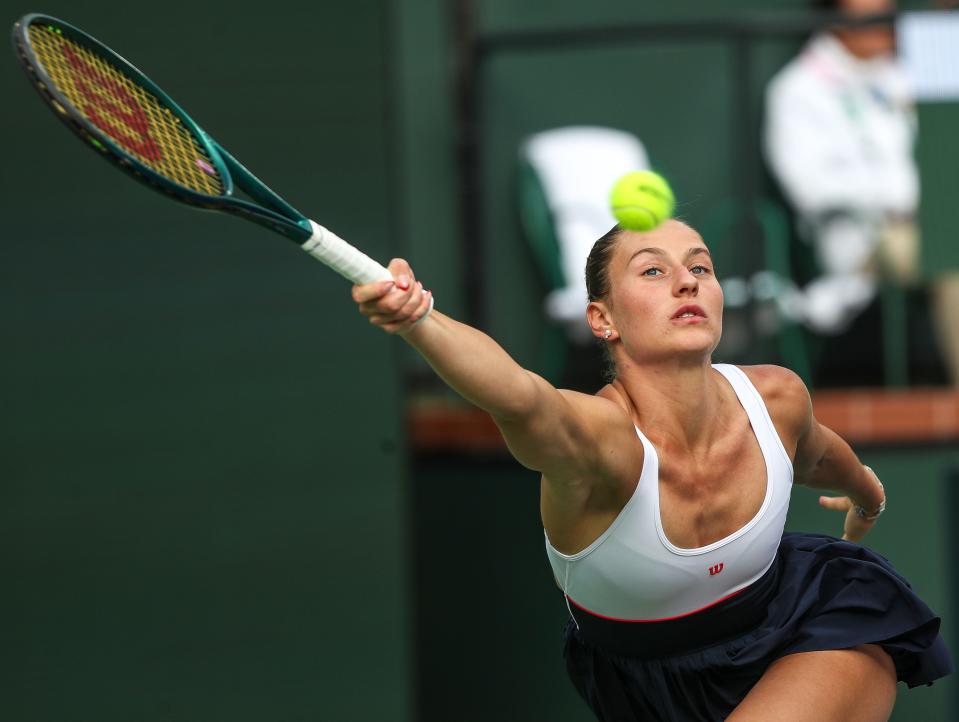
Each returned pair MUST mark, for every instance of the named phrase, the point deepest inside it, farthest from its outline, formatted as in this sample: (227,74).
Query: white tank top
(633,572)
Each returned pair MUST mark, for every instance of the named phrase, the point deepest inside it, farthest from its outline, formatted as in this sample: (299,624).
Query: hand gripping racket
(126,118)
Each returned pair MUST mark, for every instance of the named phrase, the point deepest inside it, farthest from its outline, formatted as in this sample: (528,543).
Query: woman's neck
(682,403)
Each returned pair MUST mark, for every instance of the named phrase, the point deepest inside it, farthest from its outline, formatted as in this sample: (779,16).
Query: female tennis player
(664,499)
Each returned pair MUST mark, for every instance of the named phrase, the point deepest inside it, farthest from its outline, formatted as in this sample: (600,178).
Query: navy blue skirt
(821,593)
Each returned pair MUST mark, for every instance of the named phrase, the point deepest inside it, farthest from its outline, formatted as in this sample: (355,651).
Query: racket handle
(326,246)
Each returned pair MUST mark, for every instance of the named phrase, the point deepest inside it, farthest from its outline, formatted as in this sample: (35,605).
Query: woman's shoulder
(784,393)
(606,414)
(774,380)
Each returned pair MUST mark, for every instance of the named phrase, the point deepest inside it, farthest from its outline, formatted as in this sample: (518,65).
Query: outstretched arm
(552,431)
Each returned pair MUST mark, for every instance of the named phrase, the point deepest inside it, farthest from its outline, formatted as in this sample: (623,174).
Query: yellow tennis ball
(641,200)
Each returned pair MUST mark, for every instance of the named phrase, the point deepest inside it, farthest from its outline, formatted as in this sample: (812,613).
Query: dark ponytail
(597,265)
(598,286)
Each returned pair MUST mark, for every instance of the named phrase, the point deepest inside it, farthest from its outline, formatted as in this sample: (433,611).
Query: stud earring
(607,334)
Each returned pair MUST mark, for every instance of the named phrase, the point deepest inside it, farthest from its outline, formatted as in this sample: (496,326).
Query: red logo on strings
(130,114)
(714,570)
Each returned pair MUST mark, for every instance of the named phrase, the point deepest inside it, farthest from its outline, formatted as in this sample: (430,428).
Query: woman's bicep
(567,435)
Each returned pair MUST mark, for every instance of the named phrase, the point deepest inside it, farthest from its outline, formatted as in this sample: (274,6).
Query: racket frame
(273,213)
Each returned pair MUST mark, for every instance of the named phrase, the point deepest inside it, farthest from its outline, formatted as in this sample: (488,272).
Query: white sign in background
(929,50)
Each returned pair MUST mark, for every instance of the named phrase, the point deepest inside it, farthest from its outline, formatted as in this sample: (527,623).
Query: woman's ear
(600,320)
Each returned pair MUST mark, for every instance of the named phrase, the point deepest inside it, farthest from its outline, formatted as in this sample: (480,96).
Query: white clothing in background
(839,138)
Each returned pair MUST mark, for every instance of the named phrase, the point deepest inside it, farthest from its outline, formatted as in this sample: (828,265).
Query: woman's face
(664,301)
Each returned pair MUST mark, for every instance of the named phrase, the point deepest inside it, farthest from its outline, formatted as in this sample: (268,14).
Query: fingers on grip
(416,308)
(372,291)
(397,305)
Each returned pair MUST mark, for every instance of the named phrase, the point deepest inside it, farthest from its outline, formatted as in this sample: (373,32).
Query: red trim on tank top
(659,619)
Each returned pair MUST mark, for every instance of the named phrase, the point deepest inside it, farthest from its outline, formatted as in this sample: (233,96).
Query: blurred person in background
(839,139)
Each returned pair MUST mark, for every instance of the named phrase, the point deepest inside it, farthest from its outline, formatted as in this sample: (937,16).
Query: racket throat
(273,212)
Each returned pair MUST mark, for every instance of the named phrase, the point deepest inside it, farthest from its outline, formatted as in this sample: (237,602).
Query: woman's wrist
(871,511)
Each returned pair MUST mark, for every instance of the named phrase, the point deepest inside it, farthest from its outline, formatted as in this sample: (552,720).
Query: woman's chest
(705,498)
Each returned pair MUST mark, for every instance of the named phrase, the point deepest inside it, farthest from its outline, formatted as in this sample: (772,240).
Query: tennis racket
(120,113)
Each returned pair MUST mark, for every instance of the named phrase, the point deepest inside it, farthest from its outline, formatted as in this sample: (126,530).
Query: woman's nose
(686,282)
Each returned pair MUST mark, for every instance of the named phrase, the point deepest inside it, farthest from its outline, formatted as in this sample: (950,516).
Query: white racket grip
(326,246)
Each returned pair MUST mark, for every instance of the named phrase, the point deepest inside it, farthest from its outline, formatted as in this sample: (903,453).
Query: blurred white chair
(566,175)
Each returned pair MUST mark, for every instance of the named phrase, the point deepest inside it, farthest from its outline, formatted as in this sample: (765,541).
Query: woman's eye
(651,272)
(699,270)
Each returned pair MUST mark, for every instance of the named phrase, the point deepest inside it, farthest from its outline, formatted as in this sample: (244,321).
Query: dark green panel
(938,155)
(203,505)
(489,617)
(428,176)
(503,14)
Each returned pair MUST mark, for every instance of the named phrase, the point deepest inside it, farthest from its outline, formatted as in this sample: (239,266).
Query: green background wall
(206,506)
(202,497)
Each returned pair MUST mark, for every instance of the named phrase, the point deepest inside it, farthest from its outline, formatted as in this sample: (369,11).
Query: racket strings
(129,114)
